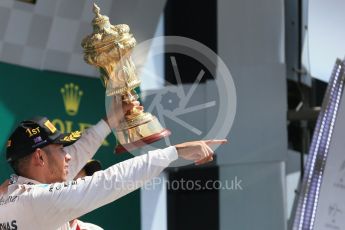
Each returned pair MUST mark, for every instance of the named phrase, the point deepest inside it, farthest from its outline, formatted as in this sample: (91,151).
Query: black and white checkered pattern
(47,35)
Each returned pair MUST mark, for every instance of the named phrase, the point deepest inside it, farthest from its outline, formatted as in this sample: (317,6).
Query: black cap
(92,166)
(36,133)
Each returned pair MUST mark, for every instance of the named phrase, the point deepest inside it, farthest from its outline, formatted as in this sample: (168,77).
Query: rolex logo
(71,95)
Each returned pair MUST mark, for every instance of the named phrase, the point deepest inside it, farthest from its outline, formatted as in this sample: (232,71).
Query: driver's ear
(39,157)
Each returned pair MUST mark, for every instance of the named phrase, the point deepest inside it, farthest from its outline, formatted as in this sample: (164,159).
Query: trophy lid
(105,34)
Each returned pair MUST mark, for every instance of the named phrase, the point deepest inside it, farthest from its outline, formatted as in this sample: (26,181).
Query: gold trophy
(109,48)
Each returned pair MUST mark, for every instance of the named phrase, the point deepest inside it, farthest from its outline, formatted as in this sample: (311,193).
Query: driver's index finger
(216,142)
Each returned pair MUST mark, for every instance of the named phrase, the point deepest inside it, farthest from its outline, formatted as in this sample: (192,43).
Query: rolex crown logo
(71,95)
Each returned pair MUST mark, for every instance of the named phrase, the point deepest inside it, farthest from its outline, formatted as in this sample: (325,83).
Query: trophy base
(140,143)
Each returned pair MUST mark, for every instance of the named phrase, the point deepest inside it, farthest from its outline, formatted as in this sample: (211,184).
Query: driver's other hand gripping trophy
(109,48)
